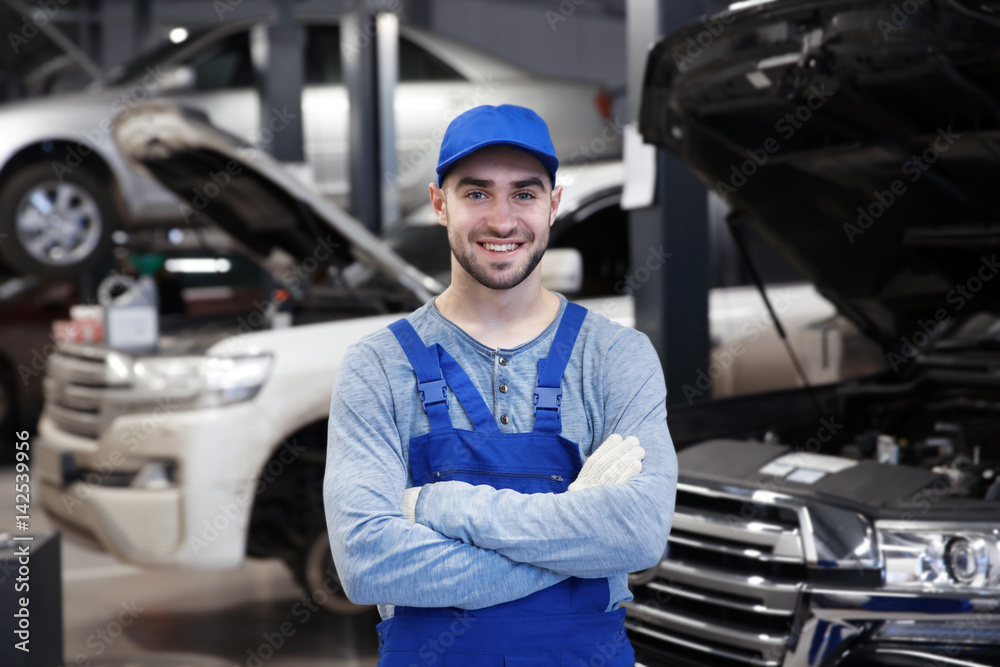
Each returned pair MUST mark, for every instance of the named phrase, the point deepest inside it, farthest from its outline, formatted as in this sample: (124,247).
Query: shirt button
(503,362)
(504,419)
(503,389)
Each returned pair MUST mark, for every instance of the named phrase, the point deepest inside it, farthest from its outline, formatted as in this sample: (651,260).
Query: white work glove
(616,460)
(410,503)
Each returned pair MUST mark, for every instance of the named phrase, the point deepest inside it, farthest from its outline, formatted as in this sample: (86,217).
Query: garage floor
(191,619)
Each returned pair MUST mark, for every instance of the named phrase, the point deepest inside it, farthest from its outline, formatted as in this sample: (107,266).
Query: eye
(525,196)
(475,194)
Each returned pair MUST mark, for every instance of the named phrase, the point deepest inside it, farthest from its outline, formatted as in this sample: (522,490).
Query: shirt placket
(501,392)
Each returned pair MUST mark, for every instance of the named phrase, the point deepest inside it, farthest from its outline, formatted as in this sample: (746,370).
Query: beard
(510,278)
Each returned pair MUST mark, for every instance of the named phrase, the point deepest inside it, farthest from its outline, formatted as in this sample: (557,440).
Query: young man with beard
(455,492)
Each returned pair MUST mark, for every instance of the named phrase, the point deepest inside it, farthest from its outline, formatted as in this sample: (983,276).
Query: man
(454,492)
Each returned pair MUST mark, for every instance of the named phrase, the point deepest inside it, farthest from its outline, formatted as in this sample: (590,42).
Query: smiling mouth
(501,247)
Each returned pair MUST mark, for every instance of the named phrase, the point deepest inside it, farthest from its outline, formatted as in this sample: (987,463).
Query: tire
(55,228)
(316,574)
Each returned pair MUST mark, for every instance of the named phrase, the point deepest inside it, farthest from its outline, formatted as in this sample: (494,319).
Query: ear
(438,204)
(556,198)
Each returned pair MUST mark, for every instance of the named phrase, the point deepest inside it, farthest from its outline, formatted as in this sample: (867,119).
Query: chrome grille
(76,381)
(728,591)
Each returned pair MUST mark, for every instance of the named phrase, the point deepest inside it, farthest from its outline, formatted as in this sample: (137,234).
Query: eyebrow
(481,183)
(475,182)
(529,182)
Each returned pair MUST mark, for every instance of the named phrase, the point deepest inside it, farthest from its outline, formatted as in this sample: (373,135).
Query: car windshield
(160,54)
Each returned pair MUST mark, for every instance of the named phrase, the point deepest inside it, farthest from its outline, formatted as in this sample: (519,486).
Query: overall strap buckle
(548,398)
(430,382)
(432,392)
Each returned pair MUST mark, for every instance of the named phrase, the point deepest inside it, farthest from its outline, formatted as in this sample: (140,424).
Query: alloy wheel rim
(58,223)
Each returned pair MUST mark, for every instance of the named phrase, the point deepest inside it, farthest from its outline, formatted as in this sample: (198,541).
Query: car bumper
(155,490)
(849,629)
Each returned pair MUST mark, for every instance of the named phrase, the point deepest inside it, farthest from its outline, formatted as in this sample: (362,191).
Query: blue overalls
(564,624)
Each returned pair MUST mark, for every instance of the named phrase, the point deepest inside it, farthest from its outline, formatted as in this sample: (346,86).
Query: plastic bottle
(131,320)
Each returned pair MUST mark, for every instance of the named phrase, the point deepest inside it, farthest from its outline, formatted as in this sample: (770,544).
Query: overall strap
(471,400)
(430,383)
(548,389)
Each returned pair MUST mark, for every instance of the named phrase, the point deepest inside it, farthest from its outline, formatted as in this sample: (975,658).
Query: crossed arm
(381,557)
(593,532)
(466,558)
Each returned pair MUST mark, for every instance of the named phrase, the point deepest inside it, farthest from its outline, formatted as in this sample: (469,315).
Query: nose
(502,218)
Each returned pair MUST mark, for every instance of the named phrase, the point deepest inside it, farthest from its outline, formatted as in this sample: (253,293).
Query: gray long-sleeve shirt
(475,546)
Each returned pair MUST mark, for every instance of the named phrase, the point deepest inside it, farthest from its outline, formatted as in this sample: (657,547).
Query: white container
(131,320)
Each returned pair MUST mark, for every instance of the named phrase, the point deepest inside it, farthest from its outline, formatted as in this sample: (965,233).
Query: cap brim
(550,162)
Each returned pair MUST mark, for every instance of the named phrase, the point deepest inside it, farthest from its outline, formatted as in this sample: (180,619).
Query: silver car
(64,188)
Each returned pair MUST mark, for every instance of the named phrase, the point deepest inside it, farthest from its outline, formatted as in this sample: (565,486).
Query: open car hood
(253,197)
(861,139)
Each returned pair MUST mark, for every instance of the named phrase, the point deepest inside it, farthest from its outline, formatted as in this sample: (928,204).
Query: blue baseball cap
(507,125)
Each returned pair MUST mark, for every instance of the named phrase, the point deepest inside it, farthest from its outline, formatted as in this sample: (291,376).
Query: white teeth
(496,247)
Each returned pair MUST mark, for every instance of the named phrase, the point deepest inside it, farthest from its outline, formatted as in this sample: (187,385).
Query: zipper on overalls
(554,478)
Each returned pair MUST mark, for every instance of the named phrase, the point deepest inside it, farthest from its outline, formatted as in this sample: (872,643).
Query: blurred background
(204,203)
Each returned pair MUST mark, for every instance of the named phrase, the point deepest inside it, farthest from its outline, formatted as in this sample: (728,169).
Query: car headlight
(939,555)
(207,381)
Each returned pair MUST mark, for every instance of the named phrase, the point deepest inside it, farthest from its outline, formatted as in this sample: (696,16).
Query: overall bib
(564,624)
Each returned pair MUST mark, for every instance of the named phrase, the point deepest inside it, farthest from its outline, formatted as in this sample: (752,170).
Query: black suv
(860,524)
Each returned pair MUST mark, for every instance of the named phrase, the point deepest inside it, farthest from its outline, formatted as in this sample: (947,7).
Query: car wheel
(54,228)
(317,575)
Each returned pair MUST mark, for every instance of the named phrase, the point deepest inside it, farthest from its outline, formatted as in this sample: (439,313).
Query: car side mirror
(177,78)
(562,270)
